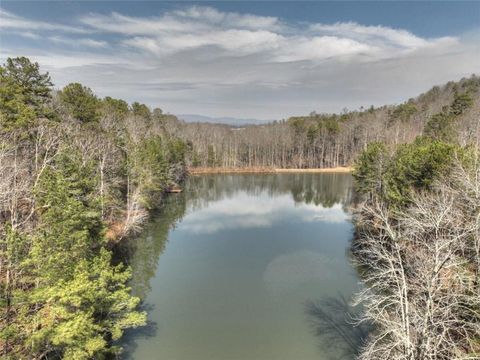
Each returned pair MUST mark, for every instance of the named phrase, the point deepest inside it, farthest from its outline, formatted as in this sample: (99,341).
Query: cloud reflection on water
(246,211)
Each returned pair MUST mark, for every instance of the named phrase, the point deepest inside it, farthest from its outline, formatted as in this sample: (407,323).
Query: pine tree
(80,102)
(81,301)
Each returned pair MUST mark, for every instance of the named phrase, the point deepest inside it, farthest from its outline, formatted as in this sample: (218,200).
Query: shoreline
(266,170)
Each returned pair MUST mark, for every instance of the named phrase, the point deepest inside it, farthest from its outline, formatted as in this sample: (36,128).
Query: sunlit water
(227,267)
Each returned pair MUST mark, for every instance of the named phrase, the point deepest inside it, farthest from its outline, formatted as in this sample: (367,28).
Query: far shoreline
(265,170)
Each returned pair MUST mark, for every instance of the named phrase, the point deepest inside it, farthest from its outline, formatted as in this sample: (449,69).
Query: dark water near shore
(240,266)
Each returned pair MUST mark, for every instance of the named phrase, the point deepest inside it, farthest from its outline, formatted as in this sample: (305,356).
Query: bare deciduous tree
(421,271)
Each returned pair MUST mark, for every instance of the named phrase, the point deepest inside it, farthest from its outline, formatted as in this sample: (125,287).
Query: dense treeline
(418,243)
(331,140)
(76,173)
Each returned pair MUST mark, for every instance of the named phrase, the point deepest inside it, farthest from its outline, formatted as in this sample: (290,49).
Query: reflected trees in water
(331,319)
(143,252)
(316,189)
(335,323)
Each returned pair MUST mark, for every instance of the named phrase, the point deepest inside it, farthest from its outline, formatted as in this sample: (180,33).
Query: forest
(417,239)
(333,140)
(417,247)
(79,173)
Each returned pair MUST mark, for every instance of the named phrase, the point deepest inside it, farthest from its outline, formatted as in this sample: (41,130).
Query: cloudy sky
(263,60)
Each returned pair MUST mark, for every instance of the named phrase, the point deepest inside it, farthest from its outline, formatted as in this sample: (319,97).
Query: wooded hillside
(331,140)
(76,173)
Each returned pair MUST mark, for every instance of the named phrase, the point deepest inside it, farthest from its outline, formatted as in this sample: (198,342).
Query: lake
(251,267)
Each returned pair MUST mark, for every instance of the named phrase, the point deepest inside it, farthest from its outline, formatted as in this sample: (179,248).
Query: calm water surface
(226,268)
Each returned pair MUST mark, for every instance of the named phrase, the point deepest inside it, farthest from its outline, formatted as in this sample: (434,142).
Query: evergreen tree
(83,313)
(80,102)
(141,110)
(14,111)
(404,111)
(370,167)
(82,302)
(149,168)
(461,103)
(35,87)
(416,166)
(116,107)
(441,127)
(70,227)
(24,93)
(60,296)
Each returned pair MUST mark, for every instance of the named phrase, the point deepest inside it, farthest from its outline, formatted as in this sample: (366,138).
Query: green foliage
(149,169)
(117,107)
(141,110)
(35,87)
(369,168)
(83,301)
(331,125)
(297,124)
(14,111)
(61,296)
(80,102)
(157,113)
(404,111)
(441,127)
(303,125)
(70,226)
(416,166)
(24,93)
(461,103)
(211,158)
(413,167)
(177,150)
(81,314)
(195,159)
(312,133)
(471,84)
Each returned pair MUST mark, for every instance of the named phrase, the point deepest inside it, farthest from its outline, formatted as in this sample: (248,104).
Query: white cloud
(205,61)
(242,34)
(233,41)
(189,20)
(12,21)
(78,42)
(60,64)
(92,43)
(29,35)
(213,16)
(375,34)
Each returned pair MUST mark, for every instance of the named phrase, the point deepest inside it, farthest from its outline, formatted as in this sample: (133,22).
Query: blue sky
(262,60)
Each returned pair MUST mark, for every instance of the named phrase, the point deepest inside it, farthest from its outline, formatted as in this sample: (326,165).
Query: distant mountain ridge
(222,120)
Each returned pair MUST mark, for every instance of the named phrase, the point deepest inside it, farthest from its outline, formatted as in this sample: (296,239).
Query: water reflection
(256,211)
(143,252)
(225,267)
(129,341)
(317,189)
(287,271)
(335,322)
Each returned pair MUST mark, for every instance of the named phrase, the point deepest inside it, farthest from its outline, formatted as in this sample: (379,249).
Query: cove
(235,266)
